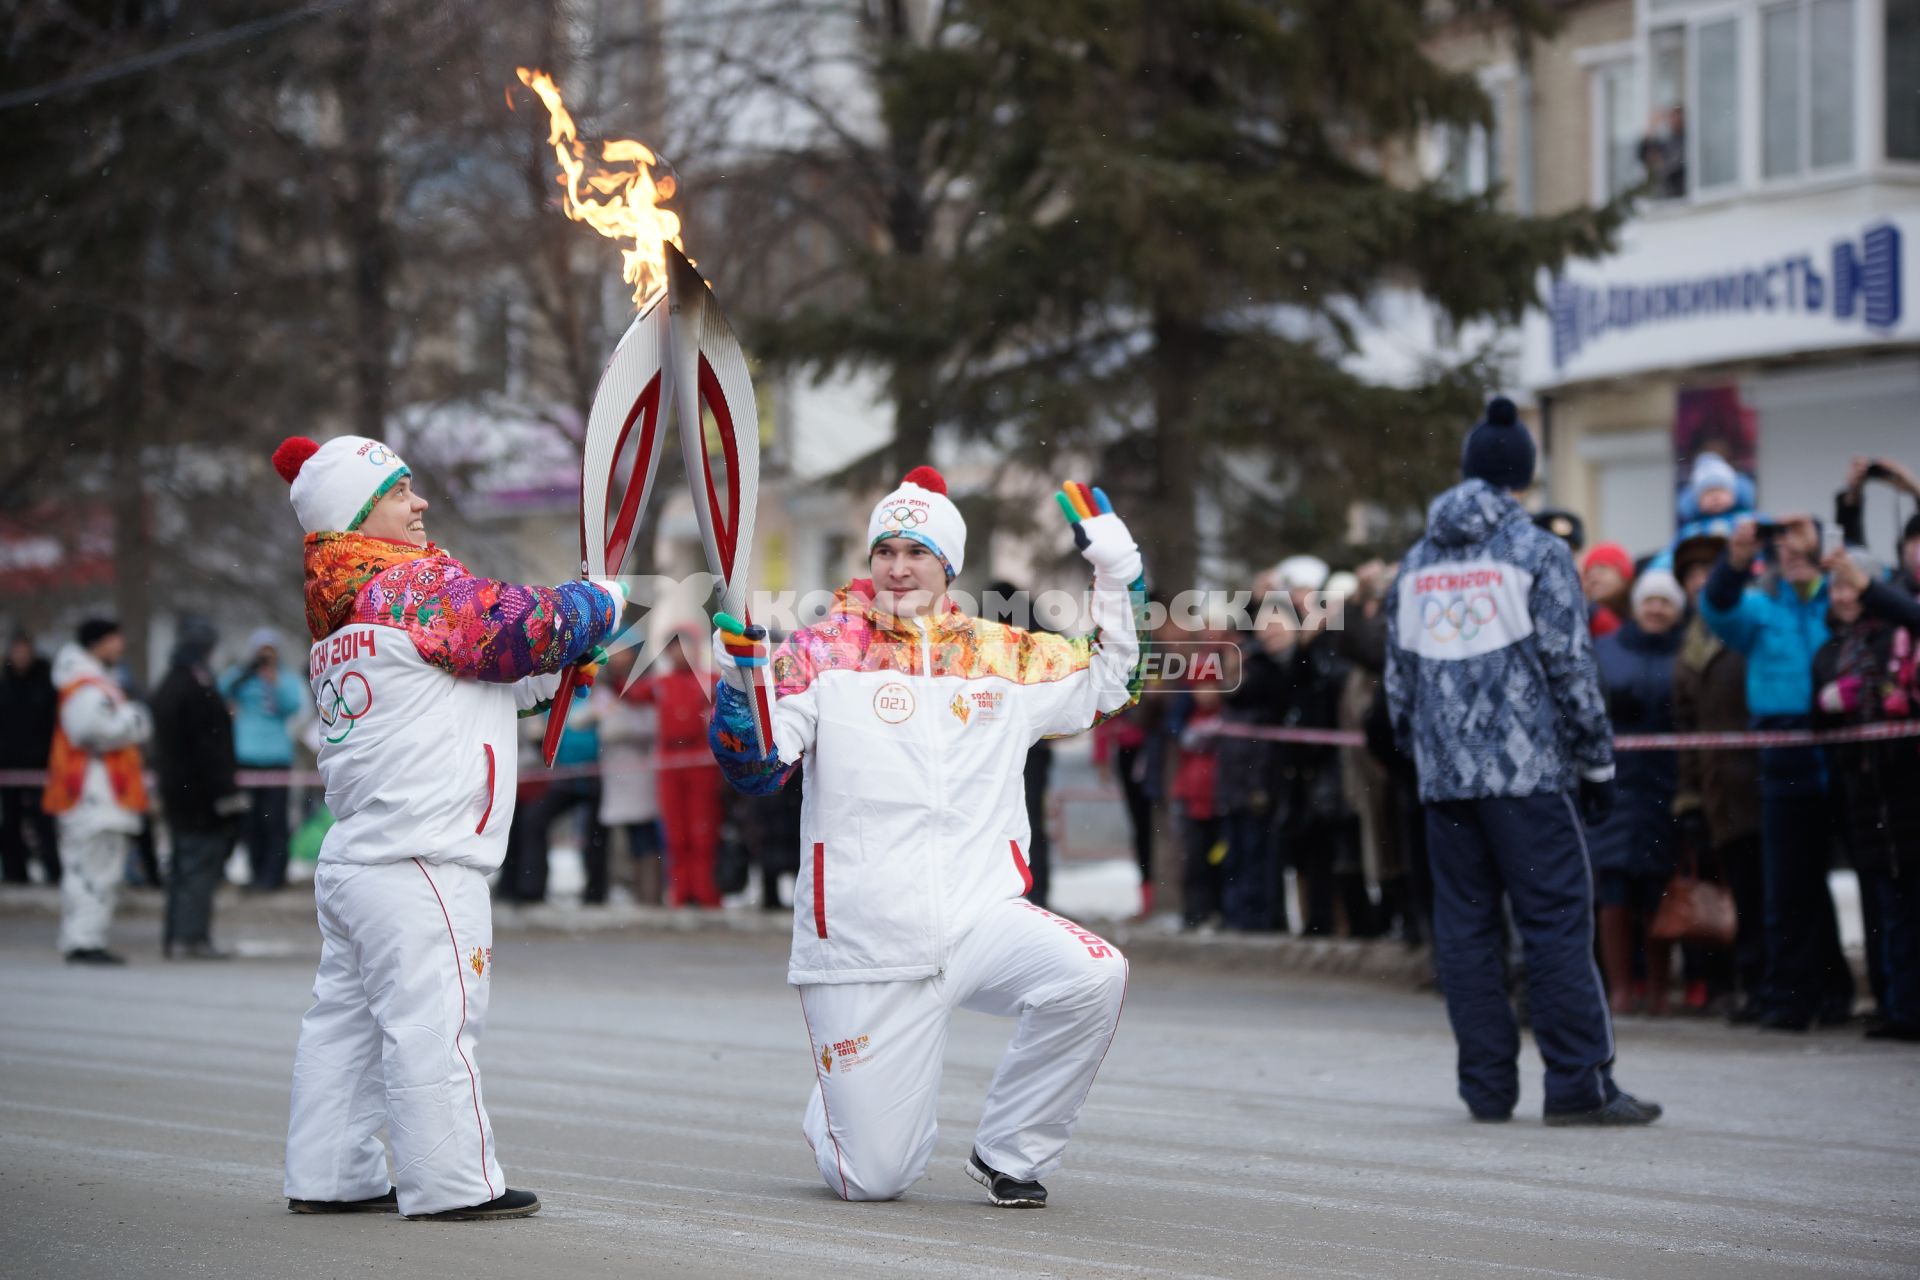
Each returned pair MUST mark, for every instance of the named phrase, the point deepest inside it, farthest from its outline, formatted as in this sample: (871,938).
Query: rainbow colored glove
(739,651)
(1101,535)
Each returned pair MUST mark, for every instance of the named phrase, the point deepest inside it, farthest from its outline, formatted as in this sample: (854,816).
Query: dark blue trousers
(1531,850)
(1898,940)
(1251,895)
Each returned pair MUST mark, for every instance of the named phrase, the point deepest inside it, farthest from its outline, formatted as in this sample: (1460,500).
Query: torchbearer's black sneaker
(1006,1191)
(508,1204)
(94,955)
(388,1203)
(1621,1109)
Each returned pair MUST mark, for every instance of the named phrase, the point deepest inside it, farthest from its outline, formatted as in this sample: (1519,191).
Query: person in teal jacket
(1779,621)
(265,699)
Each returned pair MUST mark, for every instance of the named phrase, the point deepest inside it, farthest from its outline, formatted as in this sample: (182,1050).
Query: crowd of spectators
(1743,623)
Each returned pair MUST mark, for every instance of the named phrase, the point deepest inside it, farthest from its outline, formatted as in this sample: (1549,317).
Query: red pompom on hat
(927,478)
(292,455)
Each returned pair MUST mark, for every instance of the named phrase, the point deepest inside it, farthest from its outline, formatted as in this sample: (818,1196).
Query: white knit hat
(1658,582)
(334,485)
(920,509)
(1302,573)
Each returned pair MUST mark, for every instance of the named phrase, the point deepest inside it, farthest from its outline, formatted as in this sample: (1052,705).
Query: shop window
(1780,85)
(1903,79)
(1806,87)
(1830,83)
(1717,71)
(1618,137)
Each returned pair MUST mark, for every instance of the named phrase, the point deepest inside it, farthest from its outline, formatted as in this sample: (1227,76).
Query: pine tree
(1164,221)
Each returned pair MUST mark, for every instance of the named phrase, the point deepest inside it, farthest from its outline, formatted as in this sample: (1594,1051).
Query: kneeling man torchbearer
(419,671)
(914,720)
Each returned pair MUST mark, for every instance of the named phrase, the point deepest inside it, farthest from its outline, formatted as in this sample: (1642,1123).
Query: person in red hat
(420,671)
(914,720)
(1604,577)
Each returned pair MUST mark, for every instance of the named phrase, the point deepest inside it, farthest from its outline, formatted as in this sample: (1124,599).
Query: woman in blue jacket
(1632,848)
(1779,622)
(265,698)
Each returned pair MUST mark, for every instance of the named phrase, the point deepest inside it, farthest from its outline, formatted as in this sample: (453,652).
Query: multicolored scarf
(339,564)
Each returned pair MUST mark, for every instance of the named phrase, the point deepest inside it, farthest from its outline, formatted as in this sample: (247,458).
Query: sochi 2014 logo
(342,705)
(1458,618)
(380,455)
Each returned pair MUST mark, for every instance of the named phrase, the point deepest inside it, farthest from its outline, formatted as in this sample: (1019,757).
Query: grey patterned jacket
(1490,674)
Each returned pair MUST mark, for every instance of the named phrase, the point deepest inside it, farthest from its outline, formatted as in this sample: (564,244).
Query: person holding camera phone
(1850,514)
(1869,672)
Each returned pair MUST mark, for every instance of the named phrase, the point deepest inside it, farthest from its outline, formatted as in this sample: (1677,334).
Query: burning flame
(623,203)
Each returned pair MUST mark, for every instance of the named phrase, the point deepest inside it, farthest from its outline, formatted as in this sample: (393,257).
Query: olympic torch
(680,358)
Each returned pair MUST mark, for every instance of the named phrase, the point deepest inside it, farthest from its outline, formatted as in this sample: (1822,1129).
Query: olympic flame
(619,199)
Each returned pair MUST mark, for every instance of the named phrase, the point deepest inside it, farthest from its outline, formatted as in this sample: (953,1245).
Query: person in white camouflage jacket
(1491,686)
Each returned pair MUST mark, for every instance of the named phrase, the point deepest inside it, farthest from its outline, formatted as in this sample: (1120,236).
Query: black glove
(1596,800)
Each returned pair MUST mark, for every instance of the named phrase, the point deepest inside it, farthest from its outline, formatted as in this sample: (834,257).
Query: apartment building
(1762,299)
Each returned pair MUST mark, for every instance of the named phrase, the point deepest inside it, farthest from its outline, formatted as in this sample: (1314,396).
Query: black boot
(1621,1109)
(388,1203)
(508,1204)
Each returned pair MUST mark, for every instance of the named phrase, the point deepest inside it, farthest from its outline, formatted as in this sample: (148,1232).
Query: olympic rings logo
(380,455)
(904,517)
(337,705)
(1461,618)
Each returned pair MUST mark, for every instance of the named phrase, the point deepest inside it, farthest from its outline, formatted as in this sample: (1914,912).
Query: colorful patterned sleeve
(483,629)
(731,737)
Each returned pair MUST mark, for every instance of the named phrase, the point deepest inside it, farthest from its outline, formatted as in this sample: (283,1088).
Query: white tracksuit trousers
(406,961)
(877,1050)
(92,865)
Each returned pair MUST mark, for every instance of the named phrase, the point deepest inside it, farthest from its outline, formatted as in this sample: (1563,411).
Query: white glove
(1101,535)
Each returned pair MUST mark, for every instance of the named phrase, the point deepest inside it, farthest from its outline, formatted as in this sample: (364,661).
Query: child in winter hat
(1714,485)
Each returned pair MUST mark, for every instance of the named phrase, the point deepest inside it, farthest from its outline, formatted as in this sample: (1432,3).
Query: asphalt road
(649,1087)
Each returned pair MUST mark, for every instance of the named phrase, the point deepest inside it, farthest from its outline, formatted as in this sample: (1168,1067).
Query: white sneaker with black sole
(1005,1190)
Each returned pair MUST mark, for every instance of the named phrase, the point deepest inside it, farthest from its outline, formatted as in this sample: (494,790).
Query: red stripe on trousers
(472,1082)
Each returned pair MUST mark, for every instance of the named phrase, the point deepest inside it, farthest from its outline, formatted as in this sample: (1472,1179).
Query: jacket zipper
(939,802)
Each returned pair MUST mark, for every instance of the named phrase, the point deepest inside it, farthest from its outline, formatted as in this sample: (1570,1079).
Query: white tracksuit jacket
(915,736)
(417,762)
